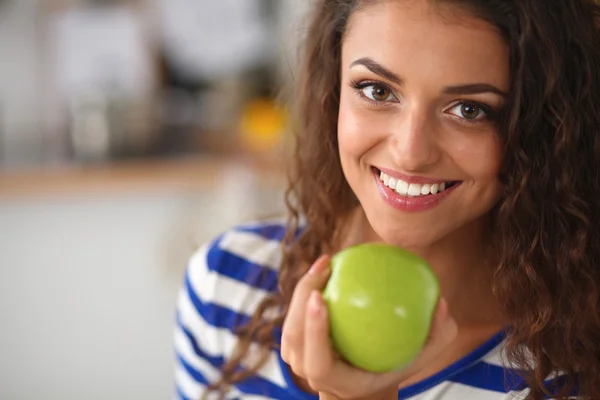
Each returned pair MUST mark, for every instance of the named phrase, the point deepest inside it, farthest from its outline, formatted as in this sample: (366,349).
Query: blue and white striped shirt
(224,283)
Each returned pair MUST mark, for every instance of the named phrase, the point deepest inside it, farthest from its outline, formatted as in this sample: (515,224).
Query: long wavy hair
(546,225)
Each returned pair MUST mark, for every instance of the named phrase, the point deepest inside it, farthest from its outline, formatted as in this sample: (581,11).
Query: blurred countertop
(191,173)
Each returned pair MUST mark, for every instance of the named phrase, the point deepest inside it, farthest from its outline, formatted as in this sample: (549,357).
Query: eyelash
(358,86)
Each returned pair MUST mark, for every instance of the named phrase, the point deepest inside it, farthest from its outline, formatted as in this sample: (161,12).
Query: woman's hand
(307,349)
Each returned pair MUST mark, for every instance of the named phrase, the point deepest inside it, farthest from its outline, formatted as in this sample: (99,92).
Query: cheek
(358,131)
(348,131)
(481,158)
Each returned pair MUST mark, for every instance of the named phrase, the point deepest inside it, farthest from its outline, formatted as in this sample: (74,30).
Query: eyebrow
(472,88)
(377,69)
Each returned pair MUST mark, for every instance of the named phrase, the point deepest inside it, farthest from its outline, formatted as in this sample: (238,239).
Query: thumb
(443,328)
(441,334)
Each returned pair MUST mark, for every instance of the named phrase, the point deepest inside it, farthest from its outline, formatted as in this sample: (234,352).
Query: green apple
(381,300)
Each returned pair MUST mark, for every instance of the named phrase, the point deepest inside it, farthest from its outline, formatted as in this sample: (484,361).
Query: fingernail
(318,267)
(314,303)
(445,306)
(443,303)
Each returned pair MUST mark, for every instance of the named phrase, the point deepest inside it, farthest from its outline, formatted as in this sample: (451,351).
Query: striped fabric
(224,283)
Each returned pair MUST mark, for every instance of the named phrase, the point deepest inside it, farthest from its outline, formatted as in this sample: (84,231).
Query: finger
(318,353)
(441,334)
(346,381)
(443,327)
(316,276)
(293,327)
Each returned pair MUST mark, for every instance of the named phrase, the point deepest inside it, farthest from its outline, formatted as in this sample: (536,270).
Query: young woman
(466,131)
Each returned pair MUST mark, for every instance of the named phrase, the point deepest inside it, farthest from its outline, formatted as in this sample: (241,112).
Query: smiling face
(417,131)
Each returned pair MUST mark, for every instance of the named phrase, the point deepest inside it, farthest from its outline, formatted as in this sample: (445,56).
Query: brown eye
(375,92)
(470,111)
(380,93)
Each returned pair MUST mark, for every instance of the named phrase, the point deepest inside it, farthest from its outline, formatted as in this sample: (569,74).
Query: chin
(406,237)
(415,243)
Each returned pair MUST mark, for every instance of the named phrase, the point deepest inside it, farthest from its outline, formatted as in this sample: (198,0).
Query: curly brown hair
(546,225)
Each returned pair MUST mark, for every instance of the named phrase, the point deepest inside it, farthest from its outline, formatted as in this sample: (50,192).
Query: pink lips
(410,204)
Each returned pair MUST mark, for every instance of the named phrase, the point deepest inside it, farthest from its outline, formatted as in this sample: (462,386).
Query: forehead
(415,38)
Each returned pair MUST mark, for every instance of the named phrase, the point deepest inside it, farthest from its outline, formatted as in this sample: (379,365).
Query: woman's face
(421,88)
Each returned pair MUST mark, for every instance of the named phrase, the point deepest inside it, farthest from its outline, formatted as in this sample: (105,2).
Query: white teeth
(402,188)
(413,189)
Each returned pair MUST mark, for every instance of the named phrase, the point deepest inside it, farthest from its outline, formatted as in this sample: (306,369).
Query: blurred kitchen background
(131,132)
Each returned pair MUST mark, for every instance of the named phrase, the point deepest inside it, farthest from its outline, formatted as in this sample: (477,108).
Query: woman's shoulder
(249,254)
(228,277)
(225,281)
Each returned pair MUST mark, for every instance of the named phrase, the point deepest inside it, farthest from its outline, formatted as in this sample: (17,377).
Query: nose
(413,142)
